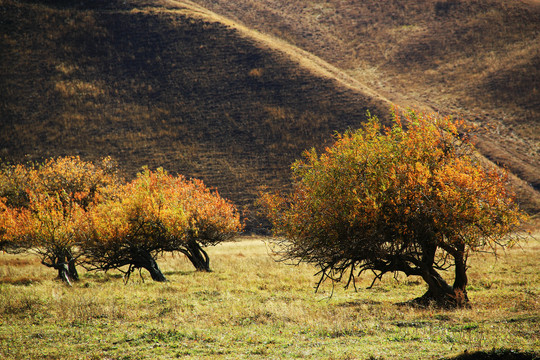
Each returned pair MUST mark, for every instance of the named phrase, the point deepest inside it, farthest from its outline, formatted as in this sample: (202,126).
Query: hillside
(171,84)
(473,58)
(162,84)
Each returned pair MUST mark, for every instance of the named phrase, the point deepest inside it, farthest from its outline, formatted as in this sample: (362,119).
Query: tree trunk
(146,261)
(455,298)
(460,281)
(63,273)
(440,294)
(65,265)
(198,257)
(72,269)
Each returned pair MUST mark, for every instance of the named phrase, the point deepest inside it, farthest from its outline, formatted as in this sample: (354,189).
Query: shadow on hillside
(162,88)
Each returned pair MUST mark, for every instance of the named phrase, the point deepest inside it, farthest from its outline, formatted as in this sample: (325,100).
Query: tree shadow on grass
(358,303)
(25,281)
(497,354)
(179,272)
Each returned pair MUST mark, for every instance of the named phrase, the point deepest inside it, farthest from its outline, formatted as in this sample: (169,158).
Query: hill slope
(476,58)
(166,83)
(162,84)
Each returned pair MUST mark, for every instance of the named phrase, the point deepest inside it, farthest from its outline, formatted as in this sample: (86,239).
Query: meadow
(252,306)
(167,83)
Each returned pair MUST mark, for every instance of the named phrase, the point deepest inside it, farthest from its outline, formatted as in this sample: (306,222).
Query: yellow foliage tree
(412,198)
(43,206)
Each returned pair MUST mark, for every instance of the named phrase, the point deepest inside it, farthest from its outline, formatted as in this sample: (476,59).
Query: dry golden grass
(251,306)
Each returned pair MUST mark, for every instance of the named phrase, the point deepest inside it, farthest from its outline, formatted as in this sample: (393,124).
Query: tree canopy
(70,212)
(157,213)
(42,207)
(411,198)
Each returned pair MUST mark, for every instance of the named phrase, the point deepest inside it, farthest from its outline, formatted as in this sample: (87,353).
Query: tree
(8,224)
(14,180)
(413,198)
(157,213)
(43,206)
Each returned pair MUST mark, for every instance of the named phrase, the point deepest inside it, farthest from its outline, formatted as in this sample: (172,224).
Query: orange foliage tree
(157,213)
(14,180)
(413,198)
(43,206)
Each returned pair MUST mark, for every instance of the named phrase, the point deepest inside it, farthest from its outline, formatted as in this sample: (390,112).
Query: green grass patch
(252,307)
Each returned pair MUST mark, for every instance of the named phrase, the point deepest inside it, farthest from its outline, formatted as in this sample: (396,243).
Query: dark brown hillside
(161,85)
(476,58)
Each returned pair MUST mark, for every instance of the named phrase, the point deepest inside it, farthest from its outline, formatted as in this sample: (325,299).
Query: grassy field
(253,307)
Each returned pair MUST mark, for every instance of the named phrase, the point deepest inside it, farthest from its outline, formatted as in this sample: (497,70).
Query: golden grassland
(253,307)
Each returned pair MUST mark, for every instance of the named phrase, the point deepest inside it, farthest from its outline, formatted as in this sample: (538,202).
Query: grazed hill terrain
(476,58)
(162,84)
(479,58)
(169,83)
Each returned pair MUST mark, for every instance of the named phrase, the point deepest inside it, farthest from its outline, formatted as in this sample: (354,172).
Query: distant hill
(171,84)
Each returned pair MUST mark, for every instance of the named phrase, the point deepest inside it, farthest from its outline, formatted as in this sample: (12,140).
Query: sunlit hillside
(476,58)
(172,84)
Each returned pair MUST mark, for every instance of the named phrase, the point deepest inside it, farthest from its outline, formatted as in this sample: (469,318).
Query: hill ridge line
(303,58)
(314,64)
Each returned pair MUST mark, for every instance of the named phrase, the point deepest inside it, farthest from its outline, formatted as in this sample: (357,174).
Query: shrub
(42,207)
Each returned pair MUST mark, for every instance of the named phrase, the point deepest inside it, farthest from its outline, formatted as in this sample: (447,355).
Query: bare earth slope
(171,84)
(475,58)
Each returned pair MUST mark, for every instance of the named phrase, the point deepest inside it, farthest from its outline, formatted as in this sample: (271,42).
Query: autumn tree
(42,207)
(8,223)
(14,180)
(413,198)
(153,214)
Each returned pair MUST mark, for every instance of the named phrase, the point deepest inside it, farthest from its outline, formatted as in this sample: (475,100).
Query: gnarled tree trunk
(460,281)
(63,273)
(145,260)
(72,269)
(439,292)
(198,257)
(64,263)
